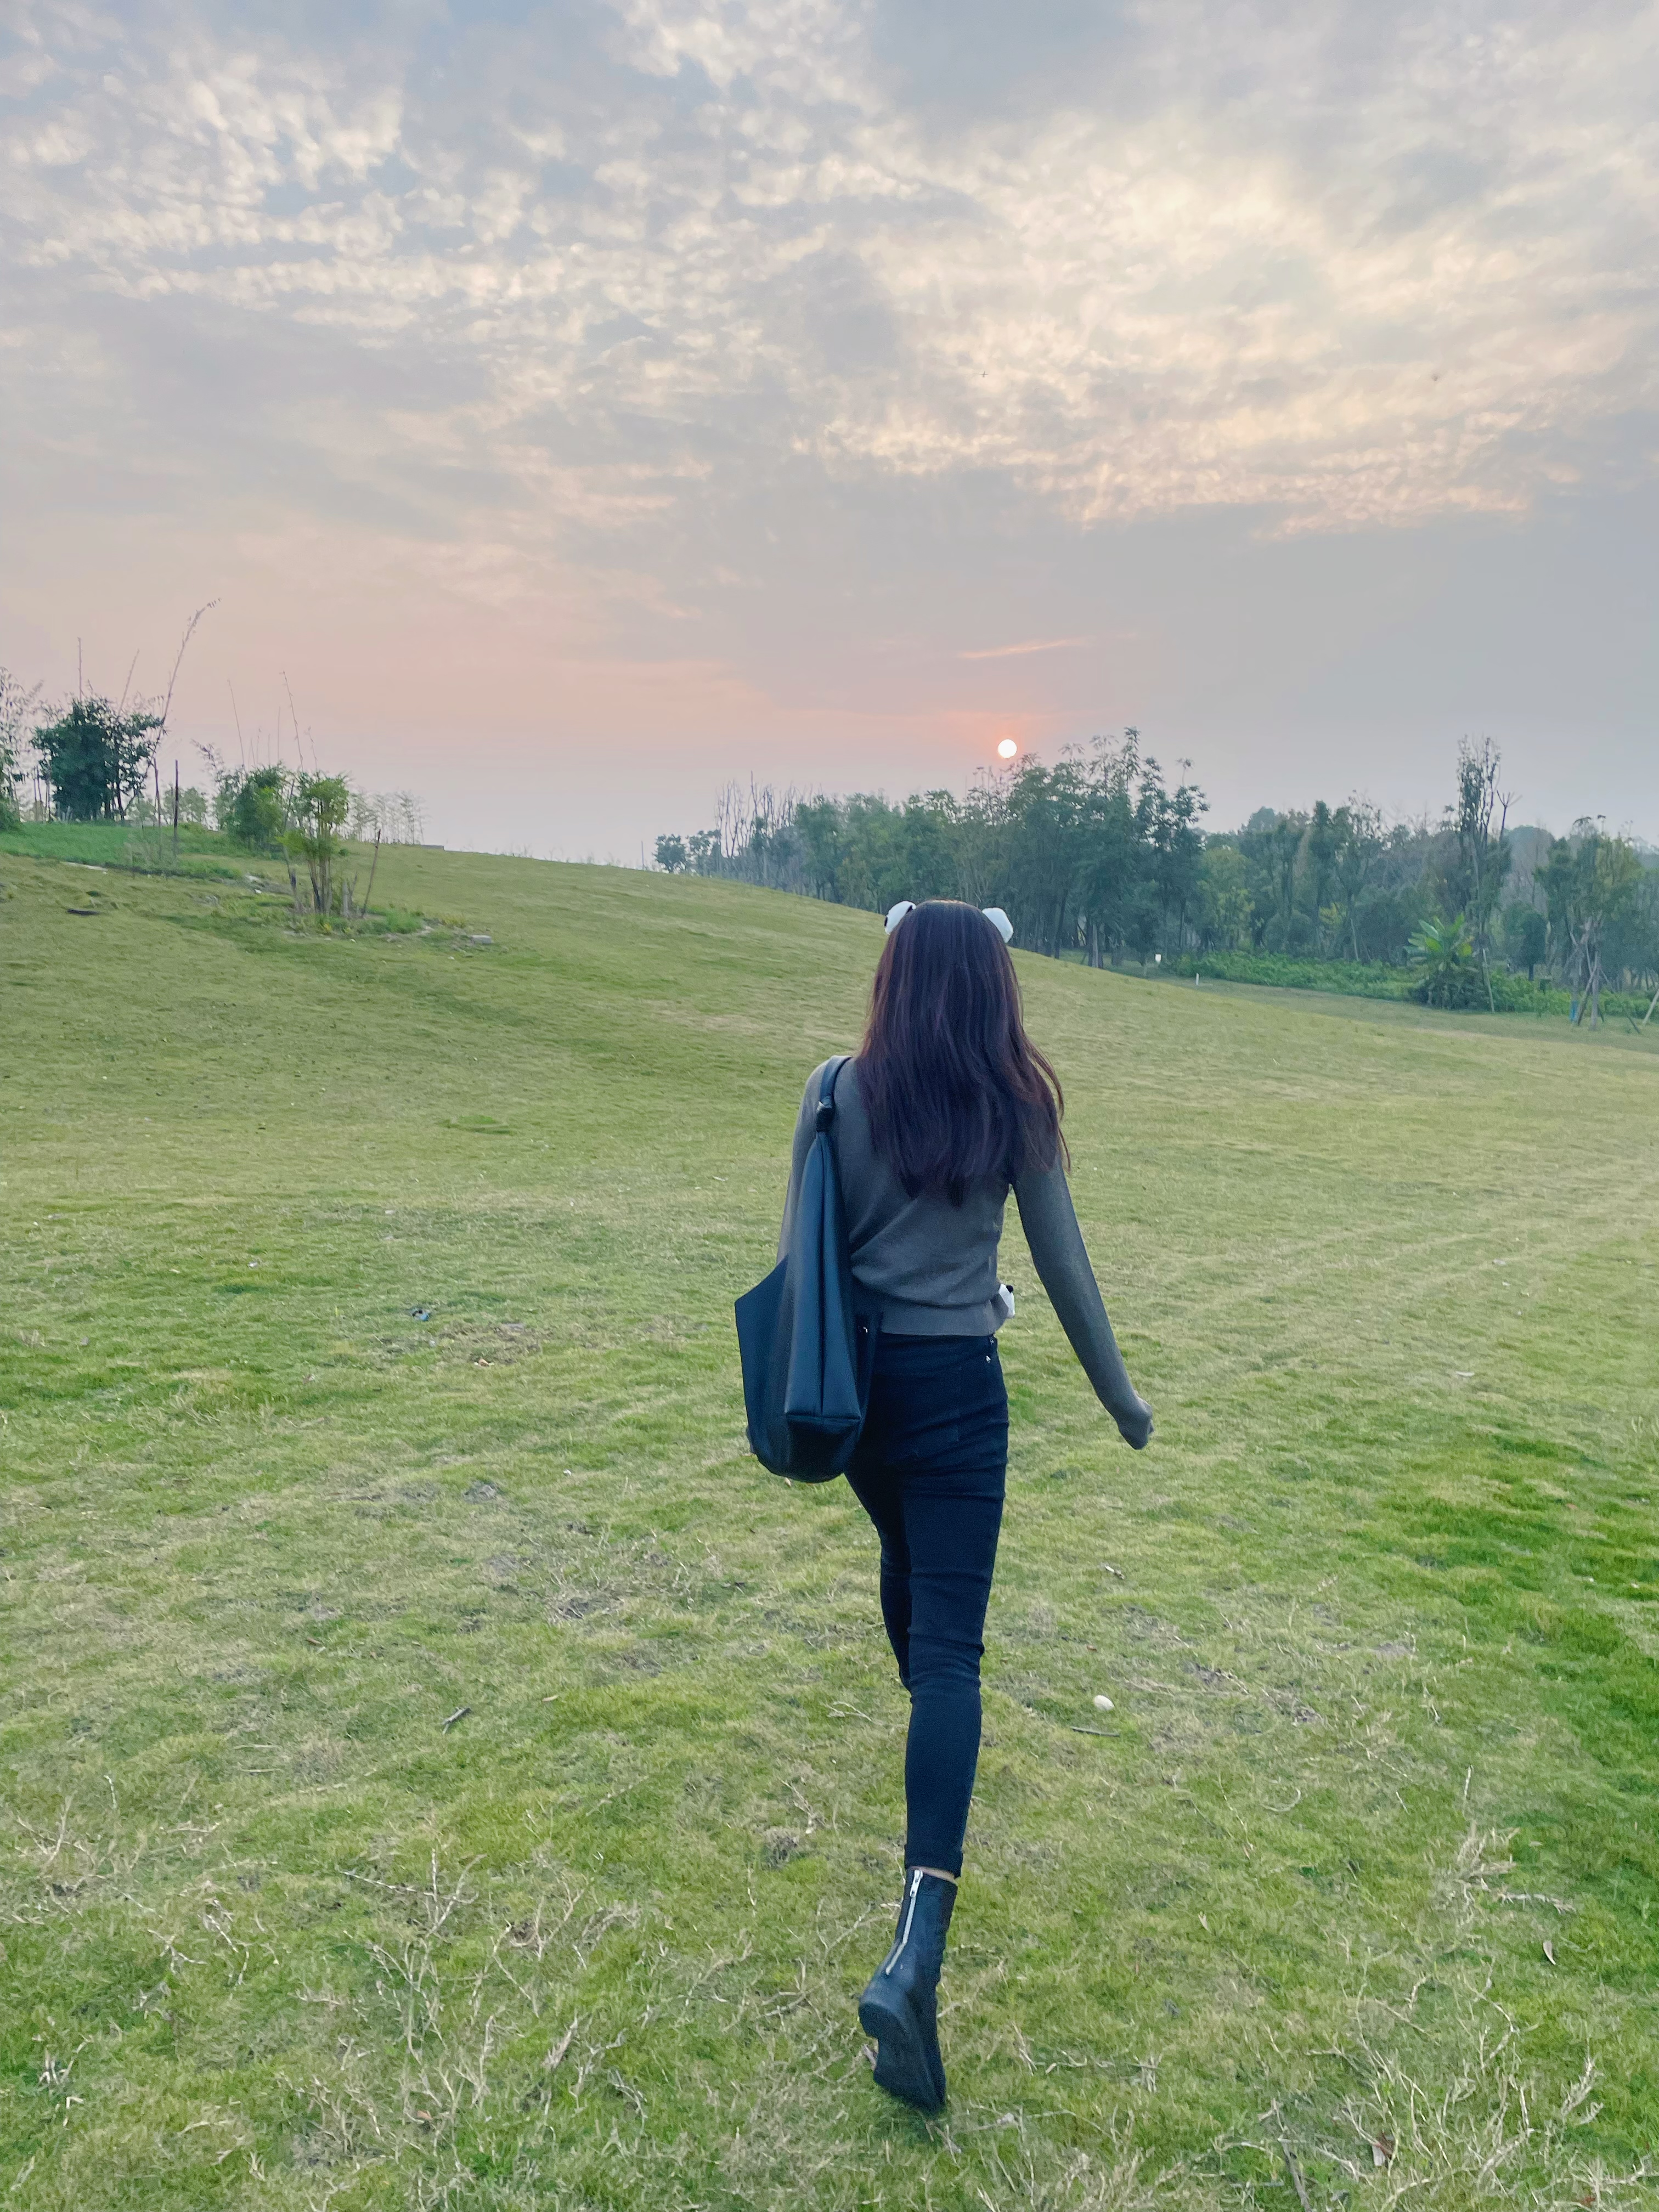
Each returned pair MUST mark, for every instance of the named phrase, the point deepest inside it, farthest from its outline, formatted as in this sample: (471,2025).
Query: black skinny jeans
(930,1470)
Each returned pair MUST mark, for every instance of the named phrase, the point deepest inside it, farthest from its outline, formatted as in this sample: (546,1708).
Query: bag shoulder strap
(826,1113)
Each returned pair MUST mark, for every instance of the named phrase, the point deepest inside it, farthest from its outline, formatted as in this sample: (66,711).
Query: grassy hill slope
(438,1767)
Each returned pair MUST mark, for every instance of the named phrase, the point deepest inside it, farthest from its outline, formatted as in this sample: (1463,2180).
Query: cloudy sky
(577,403)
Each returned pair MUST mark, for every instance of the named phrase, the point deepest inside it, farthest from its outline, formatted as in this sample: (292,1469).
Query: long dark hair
(954,1088)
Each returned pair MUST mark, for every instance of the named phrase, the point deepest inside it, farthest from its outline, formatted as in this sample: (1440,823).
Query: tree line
(1101,856)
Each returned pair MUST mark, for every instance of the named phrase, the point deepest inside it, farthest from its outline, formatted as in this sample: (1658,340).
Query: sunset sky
(578,404)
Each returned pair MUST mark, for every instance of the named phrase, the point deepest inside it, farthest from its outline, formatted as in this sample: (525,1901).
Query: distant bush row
(1512,994)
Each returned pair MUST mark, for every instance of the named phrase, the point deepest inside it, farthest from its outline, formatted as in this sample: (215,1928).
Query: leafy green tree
(671,855)
(1592,884)
(1632,946)
(1047,834)
(770,851)
(1526,937)
(1223,897)
(1478,856)
(1400,897)
(1322,845)
(1358,847)
(818,826)
(1176,849)
(96,757)
(930,846)
(1254,843)
(1110,878)
(1284,931)
(979,828)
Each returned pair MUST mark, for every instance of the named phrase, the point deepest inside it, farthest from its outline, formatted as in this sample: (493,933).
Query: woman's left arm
(1049,1220)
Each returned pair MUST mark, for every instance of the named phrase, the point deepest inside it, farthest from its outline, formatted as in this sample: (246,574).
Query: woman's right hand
(1135,1424)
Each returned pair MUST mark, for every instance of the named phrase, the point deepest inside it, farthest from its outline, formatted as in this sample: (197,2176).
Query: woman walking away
(946,1108)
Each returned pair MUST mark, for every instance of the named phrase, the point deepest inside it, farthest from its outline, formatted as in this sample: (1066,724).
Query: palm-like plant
(1444,951)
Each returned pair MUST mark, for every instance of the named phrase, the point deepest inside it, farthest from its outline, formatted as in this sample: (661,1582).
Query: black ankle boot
(900,2007)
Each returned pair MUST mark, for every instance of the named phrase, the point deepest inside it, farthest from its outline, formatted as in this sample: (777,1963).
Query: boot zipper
(897,1952)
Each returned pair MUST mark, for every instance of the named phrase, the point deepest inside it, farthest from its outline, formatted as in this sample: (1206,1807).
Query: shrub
(252,807)
(1357,979)
(1510,994)
(317,808)
(1444,952)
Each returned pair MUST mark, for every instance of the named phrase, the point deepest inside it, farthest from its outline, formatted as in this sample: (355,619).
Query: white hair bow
(997,919)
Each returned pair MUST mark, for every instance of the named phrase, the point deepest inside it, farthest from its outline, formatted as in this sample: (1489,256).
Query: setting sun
(1007,749)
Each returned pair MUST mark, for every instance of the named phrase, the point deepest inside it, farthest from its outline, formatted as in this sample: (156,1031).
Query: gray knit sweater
(933,1266)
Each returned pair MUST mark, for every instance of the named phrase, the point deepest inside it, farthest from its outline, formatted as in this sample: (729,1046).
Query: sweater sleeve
(806,1130)
(1049,1220)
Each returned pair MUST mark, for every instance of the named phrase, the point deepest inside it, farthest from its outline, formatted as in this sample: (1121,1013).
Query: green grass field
(439,1768)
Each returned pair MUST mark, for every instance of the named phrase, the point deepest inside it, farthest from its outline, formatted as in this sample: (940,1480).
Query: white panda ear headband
(994,915)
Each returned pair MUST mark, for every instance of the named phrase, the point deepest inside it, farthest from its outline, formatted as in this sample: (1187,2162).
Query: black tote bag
(807,1348)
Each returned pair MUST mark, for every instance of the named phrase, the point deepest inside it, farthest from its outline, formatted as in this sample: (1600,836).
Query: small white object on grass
(1102,1703)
